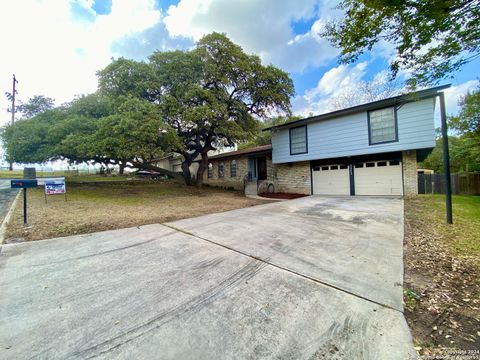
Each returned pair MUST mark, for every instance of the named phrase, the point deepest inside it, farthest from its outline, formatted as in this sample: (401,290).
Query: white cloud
(56,52)
(263,28)
(333,83)
(454,93)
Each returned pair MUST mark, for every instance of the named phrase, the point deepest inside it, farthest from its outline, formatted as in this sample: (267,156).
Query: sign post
(24,184)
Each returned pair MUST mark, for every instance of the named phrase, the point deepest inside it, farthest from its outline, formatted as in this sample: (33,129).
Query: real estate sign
(55,187)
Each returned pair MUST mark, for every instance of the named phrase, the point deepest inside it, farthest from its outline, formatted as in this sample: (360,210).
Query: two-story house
(370,149)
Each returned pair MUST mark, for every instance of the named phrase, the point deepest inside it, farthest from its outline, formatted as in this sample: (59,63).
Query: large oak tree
(212,95)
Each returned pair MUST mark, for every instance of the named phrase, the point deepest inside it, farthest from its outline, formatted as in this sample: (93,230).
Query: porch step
(251,188)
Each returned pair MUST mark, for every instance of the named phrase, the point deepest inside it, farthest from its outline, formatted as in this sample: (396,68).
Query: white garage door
(378,178)
(331,180)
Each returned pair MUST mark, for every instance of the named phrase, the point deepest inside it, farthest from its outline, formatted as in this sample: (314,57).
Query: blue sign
(23,183)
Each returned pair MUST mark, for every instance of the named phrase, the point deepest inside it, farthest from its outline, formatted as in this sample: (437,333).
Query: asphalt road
(6,197)
(312,278)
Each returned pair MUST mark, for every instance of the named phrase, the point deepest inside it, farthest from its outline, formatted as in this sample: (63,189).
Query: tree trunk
(201,169)
(186,172)
(122,168)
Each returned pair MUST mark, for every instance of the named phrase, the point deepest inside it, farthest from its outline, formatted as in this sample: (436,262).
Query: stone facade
(227,181)
(293,178)
(410,177)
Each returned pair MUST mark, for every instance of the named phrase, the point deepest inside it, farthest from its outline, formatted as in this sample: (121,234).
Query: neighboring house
(370,149)
(173,161)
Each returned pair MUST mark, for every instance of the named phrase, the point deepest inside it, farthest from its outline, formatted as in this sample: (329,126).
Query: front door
(262,168)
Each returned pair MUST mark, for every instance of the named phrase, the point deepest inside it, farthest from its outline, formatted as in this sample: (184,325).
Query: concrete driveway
(312,278)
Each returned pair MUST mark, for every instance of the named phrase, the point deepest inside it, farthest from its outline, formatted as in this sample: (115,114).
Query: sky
(55,47)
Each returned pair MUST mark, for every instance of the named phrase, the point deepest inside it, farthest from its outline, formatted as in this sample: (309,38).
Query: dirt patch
(442,288)
(98,207)
(287,196)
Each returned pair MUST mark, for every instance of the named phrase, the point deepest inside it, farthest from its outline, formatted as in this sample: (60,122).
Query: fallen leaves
(446,313)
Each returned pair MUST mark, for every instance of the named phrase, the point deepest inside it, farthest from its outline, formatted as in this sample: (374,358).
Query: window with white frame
(233,168)
(210,171)
(298,140)
(382,125)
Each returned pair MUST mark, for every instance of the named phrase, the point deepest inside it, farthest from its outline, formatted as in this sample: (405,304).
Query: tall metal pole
(13,110)
(446,159)
(25,206)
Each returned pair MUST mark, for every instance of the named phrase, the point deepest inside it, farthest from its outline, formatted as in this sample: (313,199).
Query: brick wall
(293,177)
(410,178)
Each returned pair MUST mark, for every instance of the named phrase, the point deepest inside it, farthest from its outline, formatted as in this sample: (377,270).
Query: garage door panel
(331,180)
(378,178)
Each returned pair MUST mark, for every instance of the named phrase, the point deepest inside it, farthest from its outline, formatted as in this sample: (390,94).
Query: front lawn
(442,273)
(105,206)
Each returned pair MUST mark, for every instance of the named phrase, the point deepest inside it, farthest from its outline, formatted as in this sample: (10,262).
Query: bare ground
(98,207)
(442,286)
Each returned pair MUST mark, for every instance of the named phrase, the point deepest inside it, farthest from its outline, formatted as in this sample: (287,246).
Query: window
(343,166)
(381,163)
(334,167)
(298,140)
(221,170)
(372,164)
(324,168)
(210,170)
(382,126)
(358,166)
(233,169)
(394,162)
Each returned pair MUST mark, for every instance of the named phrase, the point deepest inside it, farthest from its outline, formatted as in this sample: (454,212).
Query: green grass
(463,236)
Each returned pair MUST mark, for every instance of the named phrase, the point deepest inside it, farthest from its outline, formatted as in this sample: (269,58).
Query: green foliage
(135,131)
(464,155)
(128,77)
(433,38)
(265,137)
(92,128)
(410,299)
(468,121)
(28,140)
(35,106)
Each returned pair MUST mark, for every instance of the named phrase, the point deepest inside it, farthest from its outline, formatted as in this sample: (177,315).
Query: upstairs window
(298,140)
(210,170)
(382,126)
(221,170)
(233,169)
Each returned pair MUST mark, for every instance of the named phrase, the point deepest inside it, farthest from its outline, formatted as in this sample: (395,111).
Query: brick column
(410,177)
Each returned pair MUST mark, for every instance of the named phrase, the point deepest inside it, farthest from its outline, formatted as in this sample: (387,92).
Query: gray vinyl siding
(348,135)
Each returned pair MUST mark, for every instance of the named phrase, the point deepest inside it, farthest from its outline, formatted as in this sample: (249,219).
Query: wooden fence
(462,183)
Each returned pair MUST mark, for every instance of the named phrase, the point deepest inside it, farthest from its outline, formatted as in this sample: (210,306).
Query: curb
(6,220)
(256,197)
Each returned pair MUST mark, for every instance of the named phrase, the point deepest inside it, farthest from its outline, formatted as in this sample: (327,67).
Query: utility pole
(13,110)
